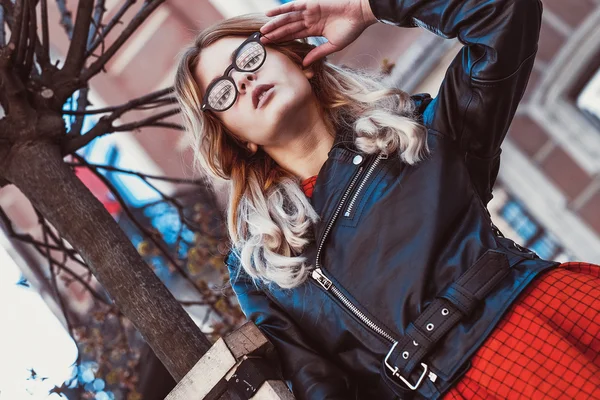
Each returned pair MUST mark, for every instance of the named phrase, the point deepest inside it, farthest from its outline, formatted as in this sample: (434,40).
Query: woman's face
(274,118)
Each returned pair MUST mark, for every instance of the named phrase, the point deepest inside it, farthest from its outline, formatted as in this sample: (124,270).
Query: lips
(257,92)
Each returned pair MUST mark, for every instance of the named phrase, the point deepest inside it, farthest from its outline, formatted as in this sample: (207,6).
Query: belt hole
(405,355)
(445,311)
(415,343)
(430,326)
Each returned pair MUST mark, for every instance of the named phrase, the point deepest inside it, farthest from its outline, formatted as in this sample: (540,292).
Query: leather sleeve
(485,82)
(307,373)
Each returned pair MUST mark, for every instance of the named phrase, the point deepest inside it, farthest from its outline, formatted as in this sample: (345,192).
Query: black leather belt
(457,302)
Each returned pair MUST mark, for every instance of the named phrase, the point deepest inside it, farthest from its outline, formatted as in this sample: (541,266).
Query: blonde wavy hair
(268,216)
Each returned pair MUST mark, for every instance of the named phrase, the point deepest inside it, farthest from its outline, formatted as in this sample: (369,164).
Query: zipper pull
(432,377)
(317,275)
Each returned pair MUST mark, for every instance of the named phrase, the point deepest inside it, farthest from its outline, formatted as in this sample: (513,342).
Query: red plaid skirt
(547,346)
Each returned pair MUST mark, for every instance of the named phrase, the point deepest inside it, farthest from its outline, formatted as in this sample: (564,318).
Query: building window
(588,100)
(530,233)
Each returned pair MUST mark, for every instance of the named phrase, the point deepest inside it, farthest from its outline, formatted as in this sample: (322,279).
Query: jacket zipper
(363,183)
(326,283)
(319,277)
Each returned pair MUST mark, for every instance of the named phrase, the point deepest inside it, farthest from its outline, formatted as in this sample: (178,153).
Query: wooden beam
(208,379)
(248,340)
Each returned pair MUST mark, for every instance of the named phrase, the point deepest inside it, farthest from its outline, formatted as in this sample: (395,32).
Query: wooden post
(210,378)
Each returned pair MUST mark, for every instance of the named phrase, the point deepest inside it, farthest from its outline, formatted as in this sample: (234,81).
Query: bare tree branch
(75,60)
(15,102)
(168,125)
(195,303)
(44,57)
(54,283)
(21,19)
(32,37)
(146,121)
(82,103)
(23,237)
(105,125)
(115,20)
(16,14)
(147,9)
(141,175)
(53,274)
(99,11)
(45,247)
(76,277)
(146,106)
(2,22)
(41,51)
(66,19)
(71,253)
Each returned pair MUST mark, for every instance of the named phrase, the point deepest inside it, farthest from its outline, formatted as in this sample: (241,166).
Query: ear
(253,147)
(308,72)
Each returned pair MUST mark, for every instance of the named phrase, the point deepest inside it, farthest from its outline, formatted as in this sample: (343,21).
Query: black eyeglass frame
(255,37)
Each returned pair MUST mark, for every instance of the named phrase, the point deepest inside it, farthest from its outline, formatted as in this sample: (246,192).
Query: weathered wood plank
(271,390)
(248,340)
(206,379)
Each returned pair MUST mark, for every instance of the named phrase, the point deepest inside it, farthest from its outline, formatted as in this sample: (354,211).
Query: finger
(286,30)
(280,21)
(297,5)
(317,53)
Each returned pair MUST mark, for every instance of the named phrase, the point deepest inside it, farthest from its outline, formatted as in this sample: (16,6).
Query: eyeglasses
(222,93)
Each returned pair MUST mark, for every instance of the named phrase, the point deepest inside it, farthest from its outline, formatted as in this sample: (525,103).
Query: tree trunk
(37,169)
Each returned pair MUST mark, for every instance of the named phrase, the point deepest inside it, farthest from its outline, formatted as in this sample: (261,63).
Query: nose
(243,79)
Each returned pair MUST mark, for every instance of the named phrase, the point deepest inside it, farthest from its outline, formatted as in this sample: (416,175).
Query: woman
(389,280)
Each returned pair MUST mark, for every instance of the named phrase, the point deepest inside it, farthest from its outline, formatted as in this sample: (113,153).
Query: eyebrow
(220,76)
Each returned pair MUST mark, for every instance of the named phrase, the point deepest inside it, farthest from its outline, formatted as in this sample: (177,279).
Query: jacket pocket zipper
(363,183)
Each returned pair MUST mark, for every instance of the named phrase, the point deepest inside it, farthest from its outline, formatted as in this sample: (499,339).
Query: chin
(289,106)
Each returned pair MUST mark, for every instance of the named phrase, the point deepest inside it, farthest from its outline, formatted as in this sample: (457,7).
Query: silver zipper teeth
(337,211)
(325,282)
(328,285)
(362,184)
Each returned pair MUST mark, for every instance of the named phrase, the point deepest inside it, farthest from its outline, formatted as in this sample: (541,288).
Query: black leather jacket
(393,238)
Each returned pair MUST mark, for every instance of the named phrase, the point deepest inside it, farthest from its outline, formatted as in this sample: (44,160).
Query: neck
(304,153)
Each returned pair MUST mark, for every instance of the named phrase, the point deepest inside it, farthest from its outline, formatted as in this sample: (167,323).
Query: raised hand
(339,21)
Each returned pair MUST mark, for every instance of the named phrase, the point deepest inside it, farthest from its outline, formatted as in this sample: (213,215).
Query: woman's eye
(221,95)
(250,56)
(224,96)
(251,62)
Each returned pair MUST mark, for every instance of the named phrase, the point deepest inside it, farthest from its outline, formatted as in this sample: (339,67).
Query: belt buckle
(395,373)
